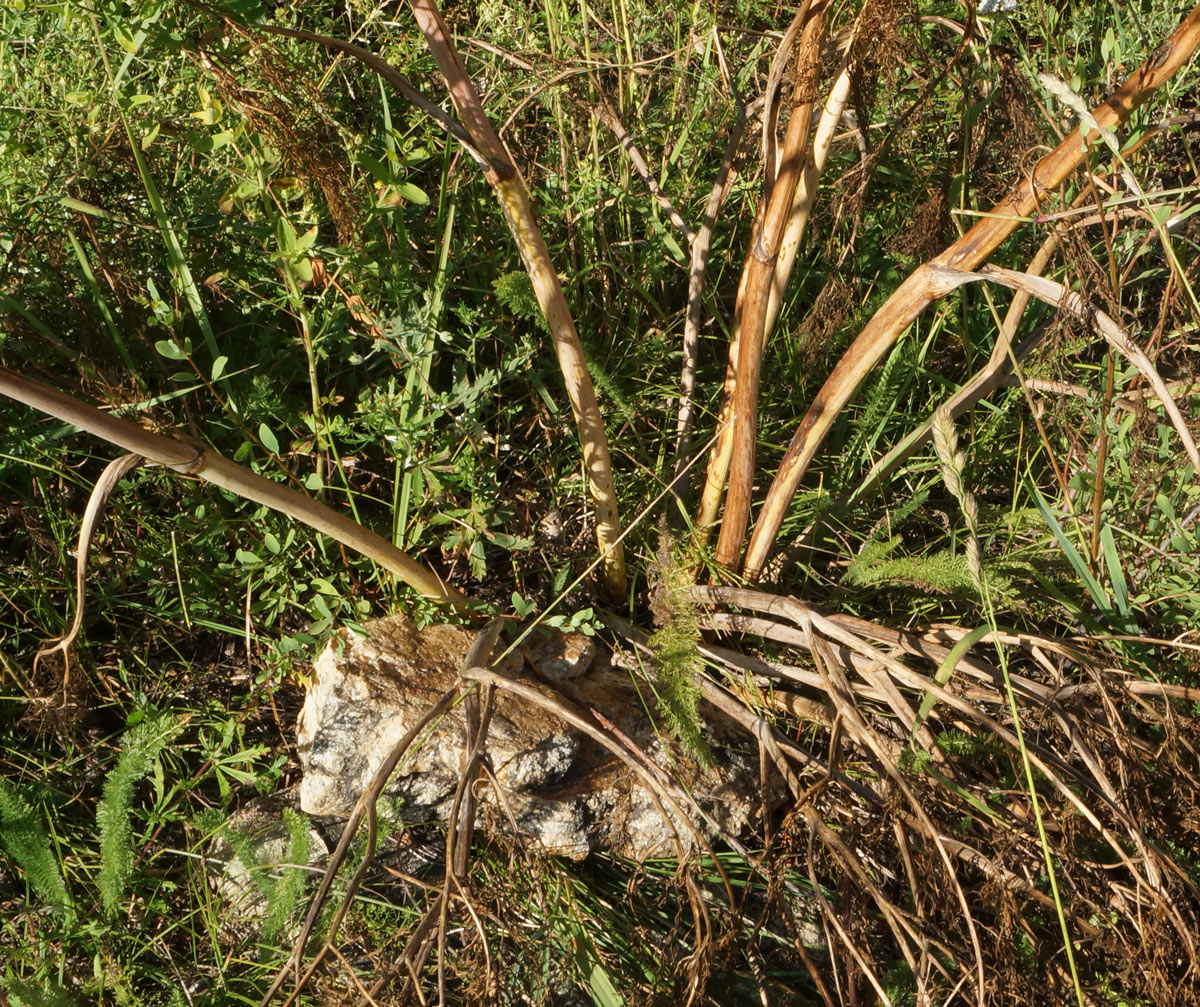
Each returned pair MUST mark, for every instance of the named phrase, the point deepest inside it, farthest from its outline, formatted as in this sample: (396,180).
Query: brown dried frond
(926,232)
(834,305)
(921,833)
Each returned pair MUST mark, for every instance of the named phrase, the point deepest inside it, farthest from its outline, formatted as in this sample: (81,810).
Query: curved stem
(190,458)
(923,286)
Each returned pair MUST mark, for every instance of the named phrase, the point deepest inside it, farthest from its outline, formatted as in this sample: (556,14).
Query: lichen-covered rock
(567,793)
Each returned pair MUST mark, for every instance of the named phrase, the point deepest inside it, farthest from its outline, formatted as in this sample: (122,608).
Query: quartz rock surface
(567,794)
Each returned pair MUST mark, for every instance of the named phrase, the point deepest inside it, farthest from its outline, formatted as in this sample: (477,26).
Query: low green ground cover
(247,239)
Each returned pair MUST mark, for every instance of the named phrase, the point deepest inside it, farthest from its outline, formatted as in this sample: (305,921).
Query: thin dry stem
(113,473)
(513,195)
(700,249)
(991,376)
(1057,294)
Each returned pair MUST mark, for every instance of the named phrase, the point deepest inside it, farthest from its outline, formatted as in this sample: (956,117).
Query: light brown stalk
(701,247)
(923,287)
(802,202)
(722,449)
(746,347)
(806,193)
(505,179)
(190,458)
(990,377)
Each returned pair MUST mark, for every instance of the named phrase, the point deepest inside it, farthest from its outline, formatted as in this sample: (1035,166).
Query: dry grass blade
(991,376)
(843,697)
(658,792)
(387,72)
(113,473)
(190,458)
(505,178)
(364,807)
(1153,899)
(922,287)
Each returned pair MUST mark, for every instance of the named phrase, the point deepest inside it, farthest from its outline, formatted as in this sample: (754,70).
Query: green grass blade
(583,951)
(175,253)
(102,306)
(945,670)
(1112,560)
(1079,565)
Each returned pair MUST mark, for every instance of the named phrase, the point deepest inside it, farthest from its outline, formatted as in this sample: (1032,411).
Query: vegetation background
(250,240)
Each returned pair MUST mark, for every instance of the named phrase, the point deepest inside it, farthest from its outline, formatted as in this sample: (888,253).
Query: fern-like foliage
(878,403)
(258,853)
(515,291)
(940,572)
(25,994)
(26,841)
(675,646)
(142,745)
(284,894)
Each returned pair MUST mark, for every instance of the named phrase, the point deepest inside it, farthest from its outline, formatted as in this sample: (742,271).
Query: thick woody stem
(505,178)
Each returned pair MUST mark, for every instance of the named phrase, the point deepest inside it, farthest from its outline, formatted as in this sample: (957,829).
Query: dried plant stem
(806,192)
(113,473)
(923,287)
(190,458)
(364,807)
(505,179)
(1057,294)
(734,451)
(385,70)
(990,377)
(607,115)
(701,247)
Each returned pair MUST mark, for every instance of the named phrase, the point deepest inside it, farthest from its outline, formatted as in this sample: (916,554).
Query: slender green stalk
(110,325)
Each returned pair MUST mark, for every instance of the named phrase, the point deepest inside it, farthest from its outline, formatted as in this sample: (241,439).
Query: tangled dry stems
(910,845)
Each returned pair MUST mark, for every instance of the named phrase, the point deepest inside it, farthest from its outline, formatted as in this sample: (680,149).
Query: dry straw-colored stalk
(505,178)
(926,284)
(189,458)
